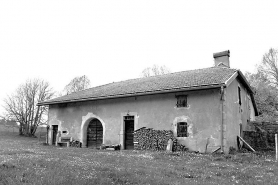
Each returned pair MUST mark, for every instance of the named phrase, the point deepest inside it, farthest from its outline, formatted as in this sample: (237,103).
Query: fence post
(276,147)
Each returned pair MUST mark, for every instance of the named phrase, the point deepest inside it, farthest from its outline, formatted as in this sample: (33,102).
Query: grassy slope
(26,160)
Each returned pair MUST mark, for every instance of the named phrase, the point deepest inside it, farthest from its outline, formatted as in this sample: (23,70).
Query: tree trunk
(20,129)
(34,129)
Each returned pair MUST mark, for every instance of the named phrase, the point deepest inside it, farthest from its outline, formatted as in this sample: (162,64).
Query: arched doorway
(94,134)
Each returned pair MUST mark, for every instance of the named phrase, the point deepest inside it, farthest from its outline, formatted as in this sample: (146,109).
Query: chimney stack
(222,59)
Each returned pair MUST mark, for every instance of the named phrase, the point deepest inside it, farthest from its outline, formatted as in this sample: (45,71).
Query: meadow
(25,160)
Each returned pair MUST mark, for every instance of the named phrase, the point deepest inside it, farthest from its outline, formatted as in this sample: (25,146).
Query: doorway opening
(94,134)
(129,130)
(54,133)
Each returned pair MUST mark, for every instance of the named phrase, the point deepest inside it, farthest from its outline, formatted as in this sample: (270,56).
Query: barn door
(94,134)
(129,129)
(54,135)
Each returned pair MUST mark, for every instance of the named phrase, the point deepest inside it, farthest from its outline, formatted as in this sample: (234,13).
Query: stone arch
(84,125)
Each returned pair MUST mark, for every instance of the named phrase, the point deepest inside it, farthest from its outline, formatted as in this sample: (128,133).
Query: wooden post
(276,147)
(246,143)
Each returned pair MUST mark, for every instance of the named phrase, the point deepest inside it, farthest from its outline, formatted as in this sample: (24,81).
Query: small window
(181,101)
(182,129)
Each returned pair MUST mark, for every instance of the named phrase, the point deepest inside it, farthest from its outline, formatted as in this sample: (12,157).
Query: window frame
(181,101)
(180,126)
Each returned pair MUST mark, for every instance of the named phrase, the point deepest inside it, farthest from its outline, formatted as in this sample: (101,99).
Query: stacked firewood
(76,144)
(178,147)
(149,139)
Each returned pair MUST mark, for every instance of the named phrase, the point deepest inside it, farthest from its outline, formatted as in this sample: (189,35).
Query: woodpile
(149,139)
(76,144)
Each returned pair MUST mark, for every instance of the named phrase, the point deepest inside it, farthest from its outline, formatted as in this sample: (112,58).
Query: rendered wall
(152,111)
(236,114)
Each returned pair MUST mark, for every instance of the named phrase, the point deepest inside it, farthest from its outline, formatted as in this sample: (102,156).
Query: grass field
(26,160)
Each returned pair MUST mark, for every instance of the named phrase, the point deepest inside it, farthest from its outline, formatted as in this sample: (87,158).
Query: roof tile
(178,80)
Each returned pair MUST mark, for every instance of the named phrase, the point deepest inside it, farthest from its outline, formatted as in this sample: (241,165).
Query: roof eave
(231,79)
(192,88)
(246,83)
(250,90)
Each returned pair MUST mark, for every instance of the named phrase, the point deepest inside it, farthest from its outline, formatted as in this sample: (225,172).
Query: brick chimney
(222,59)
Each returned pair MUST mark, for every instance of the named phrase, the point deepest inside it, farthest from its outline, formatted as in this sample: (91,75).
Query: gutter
(163,91)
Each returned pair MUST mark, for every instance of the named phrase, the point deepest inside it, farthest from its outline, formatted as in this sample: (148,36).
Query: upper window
(239,95)
(181,101)
(182,129)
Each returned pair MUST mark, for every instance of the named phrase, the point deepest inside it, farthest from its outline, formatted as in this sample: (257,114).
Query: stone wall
(261,135)
(257,140)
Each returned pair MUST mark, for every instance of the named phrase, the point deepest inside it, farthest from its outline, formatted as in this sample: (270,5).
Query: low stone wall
(268,126)
(149,139)
(262,135)
(257,140)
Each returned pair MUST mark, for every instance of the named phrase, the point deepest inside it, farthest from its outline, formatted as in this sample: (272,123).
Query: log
(75,143)
(150,139)
(252,149)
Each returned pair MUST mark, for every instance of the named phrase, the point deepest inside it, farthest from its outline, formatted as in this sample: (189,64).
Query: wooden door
(54,135)
(94,134)
(129,129)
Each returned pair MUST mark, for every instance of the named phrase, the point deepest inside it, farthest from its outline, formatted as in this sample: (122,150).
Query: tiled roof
(199,78)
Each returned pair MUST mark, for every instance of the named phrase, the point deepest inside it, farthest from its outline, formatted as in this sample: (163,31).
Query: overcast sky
(115,40)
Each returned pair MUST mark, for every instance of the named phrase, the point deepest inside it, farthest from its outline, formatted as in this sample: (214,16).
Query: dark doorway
(129,129)
(55,131)
(94,134)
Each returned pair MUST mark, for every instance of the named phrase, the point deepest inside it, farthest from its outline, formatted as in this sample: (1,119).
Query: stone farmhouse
(205,108)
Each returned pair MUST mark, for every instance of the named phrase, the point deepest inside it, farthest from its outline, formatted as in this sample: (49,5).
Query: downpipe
(222,99)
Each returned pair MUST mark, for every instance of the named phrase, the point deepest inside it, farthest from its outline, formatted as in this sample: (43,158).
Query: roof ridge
(155,76)
(187,78)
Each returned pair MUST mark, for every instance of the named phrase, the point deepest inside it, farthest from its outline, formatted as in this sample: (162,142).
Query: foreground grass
(27,161)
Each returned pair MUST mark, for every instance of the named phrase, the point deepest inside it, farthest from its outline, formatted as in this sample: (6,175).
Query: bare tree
(77,84)
(22,105)
(265,96)
(269,66)
(155,70)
